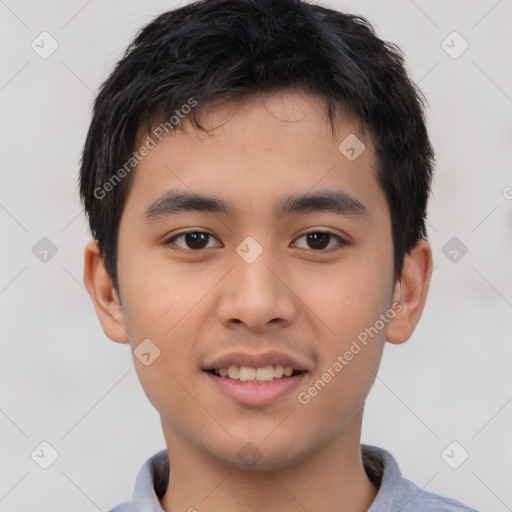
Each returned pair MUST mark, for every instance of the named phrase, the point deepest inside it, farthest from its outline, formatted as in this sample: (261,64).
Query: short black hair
(222,50)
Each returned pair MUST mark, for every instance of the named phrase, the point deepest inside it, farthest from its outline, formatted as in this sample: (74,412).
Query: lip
(257,361)
(254,393)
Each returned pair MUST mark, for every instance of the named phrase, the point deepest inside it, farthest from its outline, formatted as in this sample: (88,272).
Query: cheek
(163,304)
(351,348)
(345,300)
(155,296)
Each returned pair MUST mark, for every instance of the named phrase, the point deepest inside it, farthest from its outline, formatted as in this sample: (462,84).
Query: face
(252,272)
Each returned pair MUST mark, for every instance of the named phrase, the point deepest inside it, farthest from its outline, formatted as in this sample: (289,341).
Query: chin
(260,455)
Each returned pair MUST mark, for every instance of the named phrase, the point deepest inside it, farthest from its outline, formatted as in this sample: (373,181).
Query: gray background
(62,381)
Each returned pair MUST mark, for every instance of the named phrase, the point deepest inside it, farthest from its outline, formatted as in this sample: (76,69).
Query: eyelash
(341,245)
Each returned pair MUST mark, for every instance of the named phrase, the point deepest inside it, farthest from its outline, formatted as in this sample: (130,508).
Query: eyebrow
(174,202)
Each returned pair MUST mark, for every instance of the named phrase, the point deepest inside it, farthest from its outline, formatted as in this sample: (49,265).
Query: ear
(411,293)
(103,295)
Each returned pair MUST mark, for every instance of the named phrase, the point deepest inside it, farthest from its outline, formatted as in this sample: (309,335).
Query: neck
(332,478)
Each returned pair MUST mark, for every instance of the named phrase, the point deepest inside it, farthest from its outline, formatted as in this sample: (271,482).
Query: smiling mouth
(259,375)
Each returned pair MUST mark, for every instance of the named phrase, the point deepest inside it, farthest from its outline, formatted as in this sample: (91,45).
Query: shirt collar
(151,483)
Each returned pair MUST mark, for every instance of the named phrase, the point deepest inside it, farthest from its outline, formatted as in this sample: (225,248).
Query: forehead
(254,150)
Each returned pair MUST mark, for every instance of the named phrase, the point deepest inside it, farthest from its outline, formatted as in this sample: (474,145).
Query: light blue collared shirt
(396,494)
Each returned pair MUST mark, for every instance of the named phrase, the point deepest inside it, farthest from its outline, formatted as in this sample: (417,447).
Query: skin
(309,302)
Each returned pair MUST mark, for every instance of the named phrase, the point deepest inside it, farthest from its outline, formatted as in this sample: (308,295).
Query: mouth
(256,379)
(259,375)
(255,387)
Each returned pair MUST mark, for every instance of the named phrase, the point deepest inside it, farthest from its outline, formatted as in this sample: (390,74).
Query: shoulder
(430,502)
(123,507)
(424,501)
(396,493)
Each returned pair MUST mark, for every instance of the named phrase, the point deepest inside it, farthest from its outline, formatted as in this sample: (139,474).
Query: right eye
(194,240)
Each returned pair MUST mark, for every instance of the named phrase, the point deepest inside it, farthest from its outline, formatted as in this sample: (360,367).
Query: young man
(256,176)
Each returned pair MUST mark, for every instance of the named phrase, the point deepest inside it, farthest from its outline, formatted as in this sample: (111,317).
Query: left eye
(318,240)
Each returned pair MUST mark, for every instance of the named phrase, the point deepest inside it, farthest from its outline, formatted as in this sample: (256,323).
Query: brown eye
(320,240)
(196,240)
(192,241)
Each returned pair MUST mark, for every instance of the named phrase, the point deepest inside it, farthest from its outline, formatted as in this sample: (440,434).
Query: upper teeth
(247,374)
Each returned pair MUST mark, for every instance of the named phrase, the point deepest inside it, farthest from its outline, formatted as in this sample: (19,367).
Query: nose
(258,295)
